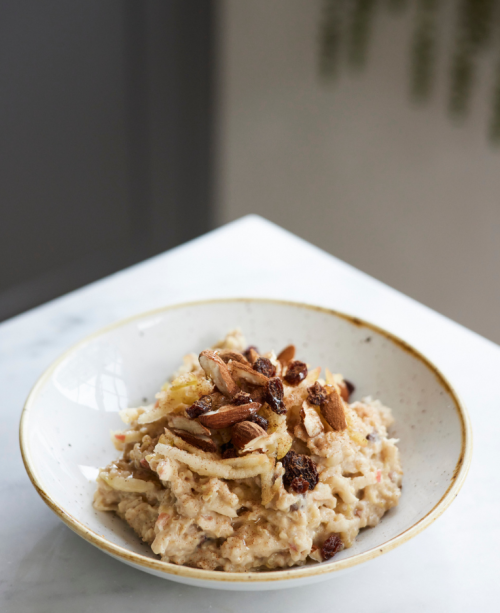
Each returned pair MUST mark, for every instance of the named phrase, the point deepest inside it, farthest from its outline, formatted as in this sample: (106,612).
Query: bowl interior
(73,408)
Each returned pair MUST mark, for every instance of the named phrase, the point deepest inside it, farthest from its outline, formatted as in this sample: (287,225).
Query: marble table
(451,566)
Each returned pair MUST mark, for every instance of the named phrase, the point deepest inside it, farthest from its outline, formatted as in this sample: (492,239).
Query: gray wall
(106,135)
(399,190)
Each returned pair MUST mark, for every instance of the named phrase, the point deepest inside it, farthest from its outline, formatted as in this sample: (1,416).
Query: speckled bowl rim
(220,577)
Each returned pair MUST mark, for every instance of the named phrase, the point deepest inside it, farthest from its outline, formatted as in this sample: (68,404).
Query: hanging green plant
(346,28)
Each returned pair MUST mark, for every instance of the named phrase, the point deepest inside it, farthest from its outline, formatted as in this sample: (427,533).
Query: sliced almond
(253,355)
(189,425)
(287,355)
(264,444)
(244,372)
(244,432)
(229,354)
(338,381)
(333,411)
(215,368)
(205,443)
(344,391)
(229,415)
(311,421)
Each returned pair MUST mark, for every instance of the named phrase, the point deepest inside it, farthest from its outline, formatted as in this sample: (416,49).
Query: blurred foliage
(360,30)
(330,35)
(346,28)
(423,51)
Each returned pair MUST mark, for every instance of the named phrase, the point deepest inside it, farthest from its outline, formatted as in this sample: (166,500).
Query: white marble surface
(452,566)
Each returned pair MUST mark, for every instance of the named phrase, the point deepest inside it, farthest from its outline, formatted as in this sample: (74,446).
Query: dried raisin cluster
(316,394)
(299,468)
(259,420)
(296,372)
(274,395)
(203,405)
(299,485)
(331,546)
(228,450)
(265,367)
(241,398)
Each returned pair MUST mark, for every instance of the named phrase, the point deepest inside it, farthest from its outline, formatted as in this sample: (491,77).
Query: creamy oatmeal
(251,461)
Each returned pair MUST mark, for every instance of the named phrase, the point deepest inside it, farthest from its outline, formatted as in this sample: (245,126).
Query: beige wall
(397,191)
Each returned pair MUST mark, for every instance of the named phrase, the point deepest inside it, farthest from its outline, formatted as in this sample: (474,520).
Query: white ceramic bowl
(68,415)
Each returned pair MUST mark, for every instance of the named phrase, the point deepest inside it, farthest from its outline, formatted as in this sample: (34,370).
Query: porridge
(250,461)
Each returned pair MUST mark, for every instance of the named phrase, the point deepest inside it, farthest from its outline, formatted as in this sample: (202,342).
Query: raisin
(228,450)
(241,398)
(373,437)
(265,367)
(316,394)
(201,406)
(331,546)
(259,420)
(350,386)
(299,485)
(296,372)
(274,395)
(247,352)
(298,465)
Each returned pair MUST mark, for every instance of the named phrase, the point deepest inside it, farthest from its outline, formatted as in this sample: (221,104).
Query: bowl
(68,415)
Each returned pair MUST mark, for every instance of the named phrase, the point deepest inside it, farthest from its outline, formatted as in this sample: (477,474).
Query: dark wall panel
(105,138)
(185,111)
(63,181)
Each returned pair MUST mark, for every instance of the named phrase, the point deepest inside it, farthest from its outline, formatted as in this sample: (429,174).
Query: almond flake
(252,354)
(215,368)
(346,389)
(228,354)
(205,443)
(311,421)
(189,425)
(287,355)
(244,372)
(244,432)
(229,415)
(333,411)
